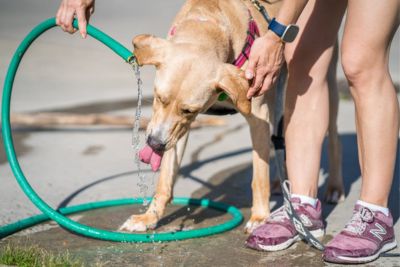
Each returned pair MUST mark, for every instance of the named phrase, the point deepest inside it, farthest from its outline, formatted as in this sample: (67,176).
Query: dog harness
(252,34)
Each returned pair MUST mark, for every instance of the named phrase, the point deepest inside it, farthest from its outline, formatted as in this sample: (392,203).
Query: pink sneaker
(279,233)
(364,238)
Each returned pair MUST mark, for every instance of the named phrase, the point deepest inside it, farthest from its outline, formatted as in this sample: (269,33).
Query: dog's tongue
(148,155)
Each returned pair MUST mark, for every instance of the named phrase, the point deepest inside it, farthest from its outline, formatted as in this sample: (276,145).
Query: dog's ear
(149,50)
(232,81)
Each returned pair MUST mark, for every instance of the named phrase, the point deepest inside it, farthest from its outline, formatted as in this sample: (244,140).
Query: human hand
(83,9)
(265,61)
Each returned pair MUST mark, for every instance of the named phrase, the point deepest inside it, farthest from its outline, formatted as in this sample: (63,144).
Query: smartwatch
(286,33)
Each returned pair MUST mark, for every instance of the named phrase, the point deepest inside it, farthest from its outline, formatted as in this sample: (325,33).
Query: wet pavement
(72,165)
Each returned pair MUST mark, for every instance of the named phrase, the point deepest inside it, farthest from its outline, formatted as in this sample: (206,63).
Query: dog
(193,68)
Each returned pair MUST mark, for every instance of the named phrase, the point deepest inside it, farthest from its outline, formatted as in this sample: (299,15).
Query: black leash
(278,141)
(262,10)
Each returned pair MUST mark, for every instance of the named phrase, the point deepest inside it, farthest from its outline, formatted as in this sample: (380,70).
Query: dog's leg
(260,136)
(163,195)
(335,190)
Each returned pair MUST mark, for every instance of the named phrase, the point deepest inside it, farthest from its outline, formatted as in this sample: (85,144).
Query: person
(369,29)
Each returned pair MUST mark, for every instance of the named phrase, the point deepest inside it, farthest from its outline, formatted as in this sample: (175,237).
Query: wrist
(287,33)
(270,35)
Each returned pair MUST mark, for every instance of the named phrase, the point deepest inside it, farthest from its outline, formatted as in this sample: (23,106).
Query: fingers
(250,73)
(257,81)
(265,61)
(82,22)
(91,9)
(67,21)
(89,12)
(68,9)
(265,86)
(58,16)
(64,17)
(251,67)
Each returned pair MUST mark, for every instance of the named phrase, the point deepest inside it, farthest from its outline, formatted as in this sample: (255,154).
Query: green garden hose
(58,215)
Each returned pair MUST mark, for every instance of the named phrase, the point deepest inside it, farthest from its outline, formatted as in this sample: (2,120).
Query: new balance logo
(299,227)
(379,232)
(305,220)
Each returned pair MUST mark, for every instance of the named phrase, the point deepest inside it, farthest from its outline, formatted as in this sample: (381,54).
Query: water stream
(143,187)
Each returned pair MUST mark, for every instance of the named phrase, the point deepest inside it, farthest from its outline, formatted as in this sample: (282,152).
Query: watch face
(290,33)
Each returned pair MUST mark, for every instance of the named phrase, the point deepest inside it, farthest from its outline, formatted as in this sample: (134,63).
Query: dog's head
(188,81)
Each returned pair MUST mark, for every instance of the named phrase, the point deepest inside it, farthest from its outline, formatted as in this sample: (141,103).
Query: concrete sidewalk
(75,165)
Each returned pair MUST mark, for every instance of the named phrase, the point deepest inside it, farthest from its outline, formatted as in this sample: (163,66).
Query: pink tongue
(148,155)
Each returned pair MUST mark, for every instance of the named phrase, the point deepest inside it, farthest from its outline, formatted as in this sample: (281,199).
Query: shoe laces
(359,221)
(281,214)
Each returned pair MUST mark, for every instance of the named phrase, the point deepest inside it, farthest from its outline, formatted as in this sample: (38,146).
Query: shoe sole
(316,233)
(344,259)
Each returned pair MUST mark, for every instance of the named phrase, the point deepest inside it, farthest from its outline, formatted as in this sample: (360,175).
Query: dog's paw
(252,224)
(334,194)
(139,223)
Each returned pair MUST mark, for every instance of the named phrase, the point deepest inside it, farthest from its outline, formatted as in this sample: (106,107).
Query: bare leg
(260,134)
(307,106)
(365,51)
(169,170)
(335,190)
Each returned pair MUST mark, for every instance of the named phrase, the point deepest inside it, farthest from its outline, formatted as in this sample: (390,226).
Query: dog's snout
(155,143)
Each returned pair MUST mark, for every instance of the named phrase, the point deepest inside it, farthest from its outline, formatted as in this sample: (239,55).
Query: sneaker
(278,232)
(364,238)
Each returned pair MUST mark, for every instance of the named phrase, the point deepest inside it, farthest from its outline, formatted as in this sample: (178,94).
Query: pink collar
(252,34)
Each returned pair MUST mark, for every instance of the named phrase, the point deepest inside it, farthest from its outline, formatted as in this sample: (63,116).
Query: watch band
(277,28)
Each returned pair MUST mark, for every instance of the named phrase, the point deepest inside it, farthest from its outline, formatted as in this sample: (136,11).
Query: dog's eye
(160,100)
(186,111)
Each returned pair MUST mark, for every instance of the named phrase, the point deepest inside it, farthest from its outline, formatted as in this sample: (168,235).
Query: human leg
(307,96)
(365,51)
(306,119)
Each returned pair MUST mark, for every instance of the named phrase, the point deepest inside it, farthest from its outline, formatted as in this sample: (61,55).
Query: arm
(266,56)
(69,8)
(290,11)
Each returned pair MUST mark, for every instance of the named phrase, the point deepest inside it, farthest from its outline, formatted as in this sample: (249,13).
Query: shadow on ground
(351,173)
(231,186)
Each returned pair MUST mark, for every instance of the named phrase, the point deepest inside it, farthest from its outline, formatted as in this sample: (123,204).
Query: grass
(34,256)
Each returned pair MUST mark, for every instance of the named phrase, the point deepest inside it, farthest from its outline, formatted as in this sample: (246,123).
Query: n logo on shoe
(379,232)
(305,220)
(299,226)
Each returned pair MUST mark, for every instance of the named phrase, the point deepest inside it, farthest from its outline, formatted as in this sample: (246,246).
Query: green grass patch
(33,256)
